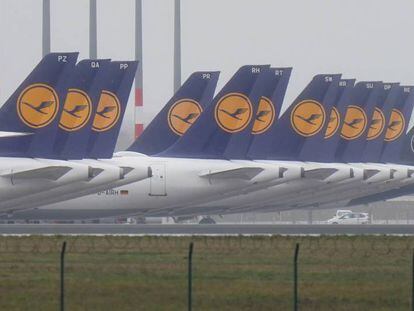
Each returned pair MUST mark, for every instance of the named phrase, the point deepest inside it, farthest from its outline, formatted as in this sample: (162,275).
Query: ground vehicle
(350,219)
(342,212)
(339,214)
(207,221)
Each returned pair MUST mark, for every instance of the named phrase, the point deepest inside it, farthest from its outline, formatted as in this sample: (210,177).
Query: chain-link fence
(228,273)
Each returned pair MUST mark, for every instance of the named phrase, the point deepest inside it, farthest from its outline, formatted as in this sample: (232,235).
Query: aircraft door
(158,180)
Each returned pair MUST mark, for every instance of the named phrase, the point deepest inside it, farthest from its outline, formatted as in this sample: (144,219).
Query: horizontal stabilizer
(125,170)
(94,171)
(50,173)
(246,173)
(13,134)
(319,173)
(368,173)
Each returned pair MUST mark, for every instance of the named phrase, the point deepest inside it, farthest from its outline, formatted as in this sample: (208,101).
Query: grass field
(229,273)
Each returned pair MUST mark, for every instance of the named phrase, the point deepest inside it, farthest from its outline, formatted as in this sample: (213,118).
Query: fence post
(295,278)
(412,281)
(190,275)
(62,276)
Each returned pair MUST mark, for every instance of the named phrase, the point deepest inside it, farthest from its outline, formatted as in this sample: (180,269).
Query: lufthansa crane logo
(333,123)
(377,124)
(355,123)
(76,110)
(396,125)
(264,117)
(307,118)
(37,105)
(107,113)
(233,112)
(182,115)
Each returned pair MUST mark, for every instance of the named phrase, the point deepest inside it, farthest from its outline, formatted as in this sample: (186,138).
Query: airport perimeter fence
(225,273)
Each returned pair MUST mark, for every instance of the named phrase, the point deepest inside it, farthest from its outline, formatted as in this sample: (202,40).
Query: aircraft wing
(49,172)
(94,171)
(246,173)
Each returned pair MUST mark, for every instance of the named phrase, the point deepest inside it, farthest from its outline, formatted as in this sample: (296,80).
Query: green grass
(230,273)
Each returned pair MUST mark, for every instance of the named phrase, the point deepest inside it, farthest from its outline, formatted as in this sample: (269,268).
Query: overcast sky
(363,39)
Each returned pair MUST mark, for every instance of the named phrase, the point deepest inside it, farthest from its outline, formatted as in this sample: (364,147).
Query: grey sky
(365,39)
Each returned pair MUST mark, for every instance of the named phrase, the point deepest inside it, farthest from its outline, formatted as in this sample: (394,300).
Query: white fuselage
(177,188)
(176,183)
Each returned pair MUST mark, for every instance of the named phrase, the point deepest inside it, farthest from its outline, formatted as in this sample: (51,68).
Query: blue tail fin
(355,122)
(303,119)
(75,121)
(311,149)
(279,93)
(111,108)
(228,116)
(398,146)
(181,111)
(388,98)
(274,85)
(324,149)
(33,108)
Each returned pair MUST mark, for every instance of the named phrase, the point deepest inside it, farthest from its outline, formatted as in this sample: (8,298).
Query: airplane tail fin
(398,146)
(324,149)
(177,116)
(388,98)
(228,116)
(75,121)
(305,118)
(270,103)
(111,109)
(355,121)
(34,106)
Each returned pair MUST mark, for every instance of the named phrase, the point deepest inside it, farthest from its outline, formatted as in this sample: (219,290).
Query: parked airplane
(371,153)
(347,189)
(31,112)
(196,91)
(218,158)
(285,194)
(37,105)
(208,183)
(204,175)
(396,151)
(283,143)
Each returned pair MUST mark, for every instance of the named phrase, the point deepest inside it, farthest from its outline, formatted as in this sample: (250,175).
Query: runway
(194,229)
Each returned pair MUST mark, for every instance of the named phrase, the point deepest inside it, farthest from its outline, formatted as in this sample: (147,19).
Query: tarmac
(195,229)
